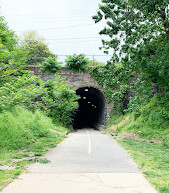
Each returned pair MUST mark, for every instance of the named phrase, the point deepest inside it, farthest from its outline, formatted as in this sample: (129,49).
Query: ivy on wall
(116,81)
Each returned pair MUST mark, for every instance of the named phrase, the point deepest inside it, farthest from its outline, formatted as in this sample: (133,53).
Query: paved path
(86,162)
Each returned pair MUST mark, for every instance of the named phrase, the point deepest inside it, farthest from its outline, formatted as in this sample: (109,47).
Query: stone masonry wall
(76,81)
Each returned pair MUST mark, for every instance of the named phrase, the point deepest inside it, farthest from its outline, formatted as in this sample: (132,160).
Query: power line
(73,26)
(74,38)
(50,18)
(73,42)
(42,16)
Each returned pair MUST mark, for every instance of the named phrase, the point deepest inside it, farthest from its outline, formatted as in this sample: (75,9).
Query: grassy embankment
(24,137)
(147,141)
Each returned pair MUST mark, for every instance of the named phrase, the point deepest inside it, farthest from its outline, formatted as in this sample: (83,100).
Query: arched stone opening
(92,109)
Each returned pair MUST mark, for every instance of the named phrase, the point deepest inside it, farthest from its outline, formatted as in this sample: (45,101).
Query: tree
(77,63)
(19,87)
(8,39)
(37,49)
(132,22)
(12,56)
(138,32)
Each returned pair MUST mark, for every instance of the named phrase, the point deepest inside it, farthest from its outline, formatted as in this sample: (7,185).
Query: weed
(153,160)
(43,161)
(21,129)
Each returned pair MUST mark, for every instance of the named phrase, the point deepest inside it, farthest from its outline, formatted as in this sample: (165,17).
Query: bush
(20,127)
(77,63)
(51,65)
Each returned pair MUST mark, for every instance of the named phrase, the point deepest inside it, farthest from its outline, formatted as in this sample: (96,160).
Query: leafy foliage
(21,127)
(12,57)
(53,97)
(59,102)
(77,63)
(37,49)
(132,23)
(138,33)
(19,87)
(20,90)
(116,82)
(51,65)
(7,39)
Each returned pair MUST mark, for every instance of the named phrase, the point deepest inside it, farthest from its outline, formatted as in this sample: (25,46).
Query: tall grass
(151,124)
(20,127)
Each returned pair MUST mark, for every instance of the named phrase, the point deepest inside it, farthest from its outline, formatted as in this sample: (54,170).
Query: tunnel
(91,109)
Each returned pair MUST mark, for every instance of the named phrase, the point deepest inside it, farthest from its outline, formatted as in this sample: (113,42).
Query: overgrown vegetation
(34,114)
(154,127)
(20,127)
(24,137)
(116,81)
(149,110)
(136,78)
(77,63)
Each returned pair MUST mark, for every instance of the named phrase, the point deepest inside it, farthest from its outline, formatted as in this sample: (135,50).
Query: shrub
(77,63)
(20,127)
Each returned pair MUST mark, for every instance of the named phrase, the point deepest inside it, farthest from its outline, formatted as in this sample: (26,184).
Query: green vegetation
(24,137)
(20,127)
(35,47)
(147,144)
(77,63)
(152,159)
(136,81)
(136,98)
(116,81)
(153,127)
(34,114)
(51,65)
(136,78)
(138,34)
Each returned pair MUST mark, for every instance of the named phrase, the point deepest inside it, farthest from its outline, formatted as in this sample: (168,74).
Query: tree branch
(3,69)
(9,74)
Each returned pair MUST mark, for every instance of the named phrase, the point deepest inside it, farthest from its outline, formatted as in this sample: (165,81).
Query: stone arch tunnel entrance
(91,110)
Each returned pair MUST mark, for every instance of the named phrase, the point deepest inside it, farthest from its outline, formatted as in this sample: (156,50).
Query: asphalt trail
(86,162)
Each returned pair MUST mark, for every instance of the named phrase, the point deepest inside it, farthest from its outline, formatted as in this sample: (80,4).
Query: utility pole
(93,60)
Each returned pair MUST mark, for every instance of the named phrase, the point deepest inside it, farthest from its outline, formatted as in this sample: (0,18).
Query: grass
(138,137)
(33,152)
(43,161)
(153,126)
(25,136)
(7,177)
(153,160)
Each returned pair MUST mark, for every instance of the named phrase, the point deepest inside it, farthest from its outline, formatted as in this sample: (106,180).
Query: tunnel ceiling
(91,108)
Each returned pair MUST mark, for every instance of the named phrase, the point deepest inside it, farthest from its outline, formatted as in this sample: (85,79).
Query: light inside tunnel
(91,108)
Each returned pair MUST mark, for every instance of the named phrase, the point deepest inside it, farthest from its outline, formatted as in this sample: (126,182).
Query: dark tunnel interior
(91,108)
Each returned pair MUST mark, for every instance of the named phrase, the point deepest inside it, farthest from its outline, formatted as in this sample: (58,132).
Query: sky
(66,25)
